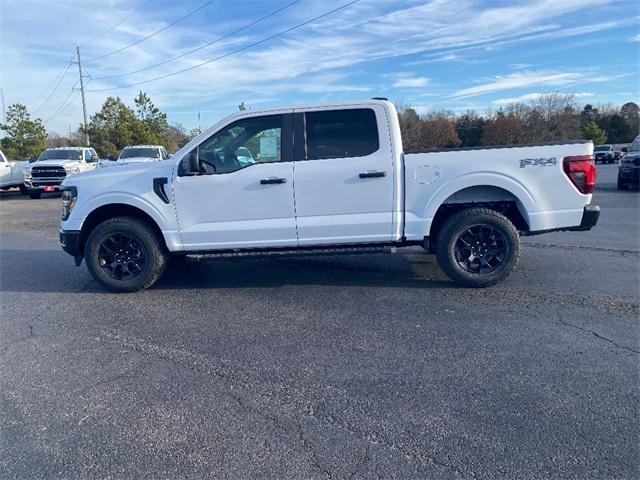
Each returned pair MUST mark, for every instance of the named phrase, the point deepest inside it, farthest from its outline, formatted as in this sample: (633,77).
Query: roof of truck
(328,104)
(143,146)
(67,148)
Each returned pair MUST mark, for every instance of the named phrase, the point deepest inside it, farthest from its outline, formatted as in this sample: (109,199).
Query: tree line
(551,117)
(112,128)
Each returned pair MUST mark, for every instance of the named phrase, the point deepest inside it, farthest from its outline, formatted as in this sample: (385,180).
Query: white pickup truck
(329,178)
(11,174)
(56,164)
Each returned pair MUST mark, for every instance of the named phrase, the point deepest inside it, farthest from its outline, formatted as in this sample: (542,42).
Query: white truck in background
(54,165)
(328,178)
(137,154)
(11,174)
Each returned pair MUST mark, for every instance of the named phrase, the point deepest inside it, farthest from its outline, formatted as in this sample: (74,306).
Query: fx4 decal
(538,162)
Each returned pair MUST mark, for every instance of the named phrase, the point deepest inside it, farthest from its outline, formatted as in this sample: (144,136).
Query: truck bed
(530,175)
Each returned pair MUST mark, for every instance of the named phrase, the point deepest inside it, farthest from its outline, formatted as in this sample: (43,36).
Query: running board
(294,252)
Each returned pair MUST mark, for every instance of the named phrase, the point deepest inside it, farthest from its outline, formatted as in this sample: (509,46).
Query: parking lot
(332,367)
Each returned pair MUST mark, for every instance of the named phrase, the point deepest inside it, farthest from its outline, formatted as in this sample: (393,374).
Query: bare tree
(502,129)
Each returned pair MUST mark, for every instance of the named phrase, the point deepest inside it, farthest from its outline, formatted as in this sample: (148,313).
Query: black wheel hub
(481,249)
(121,256)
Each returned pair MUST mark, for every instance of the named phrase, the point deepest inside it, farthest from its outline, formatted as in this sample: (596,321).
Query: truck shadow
(344,270)
(48,271)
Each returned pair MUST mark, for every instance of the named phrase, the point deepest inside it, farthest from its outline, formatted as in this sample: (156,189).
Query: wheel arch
(514,203)
(112,210)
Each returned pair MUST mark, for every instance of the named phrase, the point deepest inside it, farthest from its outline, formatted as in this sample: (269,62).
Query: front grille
(48,172)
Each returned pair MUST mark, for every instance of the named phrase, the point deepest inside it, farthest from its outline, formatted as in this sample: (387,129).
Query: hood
(56,163)
(110,179)
(138,160)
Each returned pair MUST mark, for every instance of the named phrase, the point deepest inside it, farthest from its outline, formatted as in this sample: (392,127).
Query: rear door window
(341,133)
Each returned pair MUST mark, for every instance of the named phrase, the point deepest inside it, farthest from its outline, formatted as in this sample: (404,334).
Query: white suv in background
(142,154)
(54,165)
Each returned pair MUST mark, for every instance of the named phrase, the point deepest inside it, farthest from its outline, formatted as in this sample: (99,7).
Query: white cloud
(525,79)
(534,96)
(407,80)
(634,38)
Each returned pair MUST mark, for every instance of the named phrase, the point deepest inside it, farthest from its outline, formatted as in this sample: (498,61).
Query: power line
(55,80)
(55,87)
(230,34)
(137,9)
(64,105)
(205,4)
(233,52)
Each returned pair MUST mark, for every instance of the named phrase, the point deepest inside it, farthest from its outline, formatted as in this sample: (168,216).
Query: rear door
(237,203)
(343,174)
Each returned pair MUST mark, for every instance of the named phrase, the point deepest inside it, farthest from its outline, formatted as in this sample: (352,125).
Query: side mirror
(189,165)
(94,158)
(624,149)
(31,159)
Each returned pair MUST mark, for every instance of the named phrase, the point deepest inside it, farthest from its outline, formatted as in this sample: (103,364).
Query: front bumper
(39,183)
(629,174)
(70,242)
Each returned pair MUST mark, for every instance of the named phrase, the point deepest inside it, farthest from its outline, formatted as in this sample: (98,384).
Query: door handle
(372,174)
(272,181)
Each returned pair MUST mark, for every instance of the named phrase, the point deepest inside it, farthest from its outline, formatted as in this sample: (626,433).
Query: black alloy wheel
(481,249)
(122,256)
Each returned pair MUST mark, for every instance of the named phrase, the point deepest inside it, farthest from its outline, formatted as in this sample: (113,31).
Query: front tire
(478,247)
(124,254)
(621,184)
(23,190)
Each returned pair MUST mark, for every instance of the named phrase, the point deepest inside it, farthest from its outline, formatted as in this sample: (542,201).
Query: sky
(432,55)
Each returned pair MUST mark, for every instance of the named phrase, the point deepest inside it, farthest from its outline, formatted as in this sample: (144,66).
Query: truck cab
(324,178)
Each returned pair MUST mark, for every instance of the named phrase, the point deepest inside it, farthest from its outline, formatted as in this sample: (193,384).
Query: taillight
(581,170)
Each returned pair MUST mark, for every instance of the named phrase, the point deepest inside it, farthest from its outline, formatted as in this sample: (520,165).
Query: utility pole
(199,129)
(84,103)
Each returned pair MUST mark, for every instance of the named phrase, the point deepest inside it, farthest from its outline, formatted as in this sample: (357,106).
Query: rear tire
(478,247)
(35,195)
(124,254)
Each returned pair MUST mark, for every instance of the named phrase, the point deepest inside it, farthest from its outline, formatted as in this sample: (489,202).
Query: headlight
(72,170)
(26,170)
(69,197)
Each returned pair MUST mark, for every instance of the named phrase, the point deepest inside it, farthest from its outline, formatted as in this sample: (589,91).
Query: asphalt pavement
(330,367)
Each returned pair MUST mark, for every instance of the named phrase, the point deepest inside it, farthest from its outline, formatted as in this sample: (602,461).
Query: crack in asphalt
(595,334)
(203,364)
(621,251)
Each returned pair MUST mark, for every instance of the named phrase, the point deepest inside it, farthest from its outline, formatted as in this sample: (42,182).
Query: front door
(5,170)
(344,176)
(243,195)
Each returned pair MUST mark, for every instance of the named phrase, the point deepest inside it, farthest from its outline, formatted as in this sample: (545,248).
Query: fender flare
(525,201)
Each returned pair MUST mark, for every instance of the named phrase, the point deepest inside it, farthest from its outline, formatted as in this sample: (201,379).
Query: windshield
(635,146)
(602,149)
(61,155)
(140,152)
